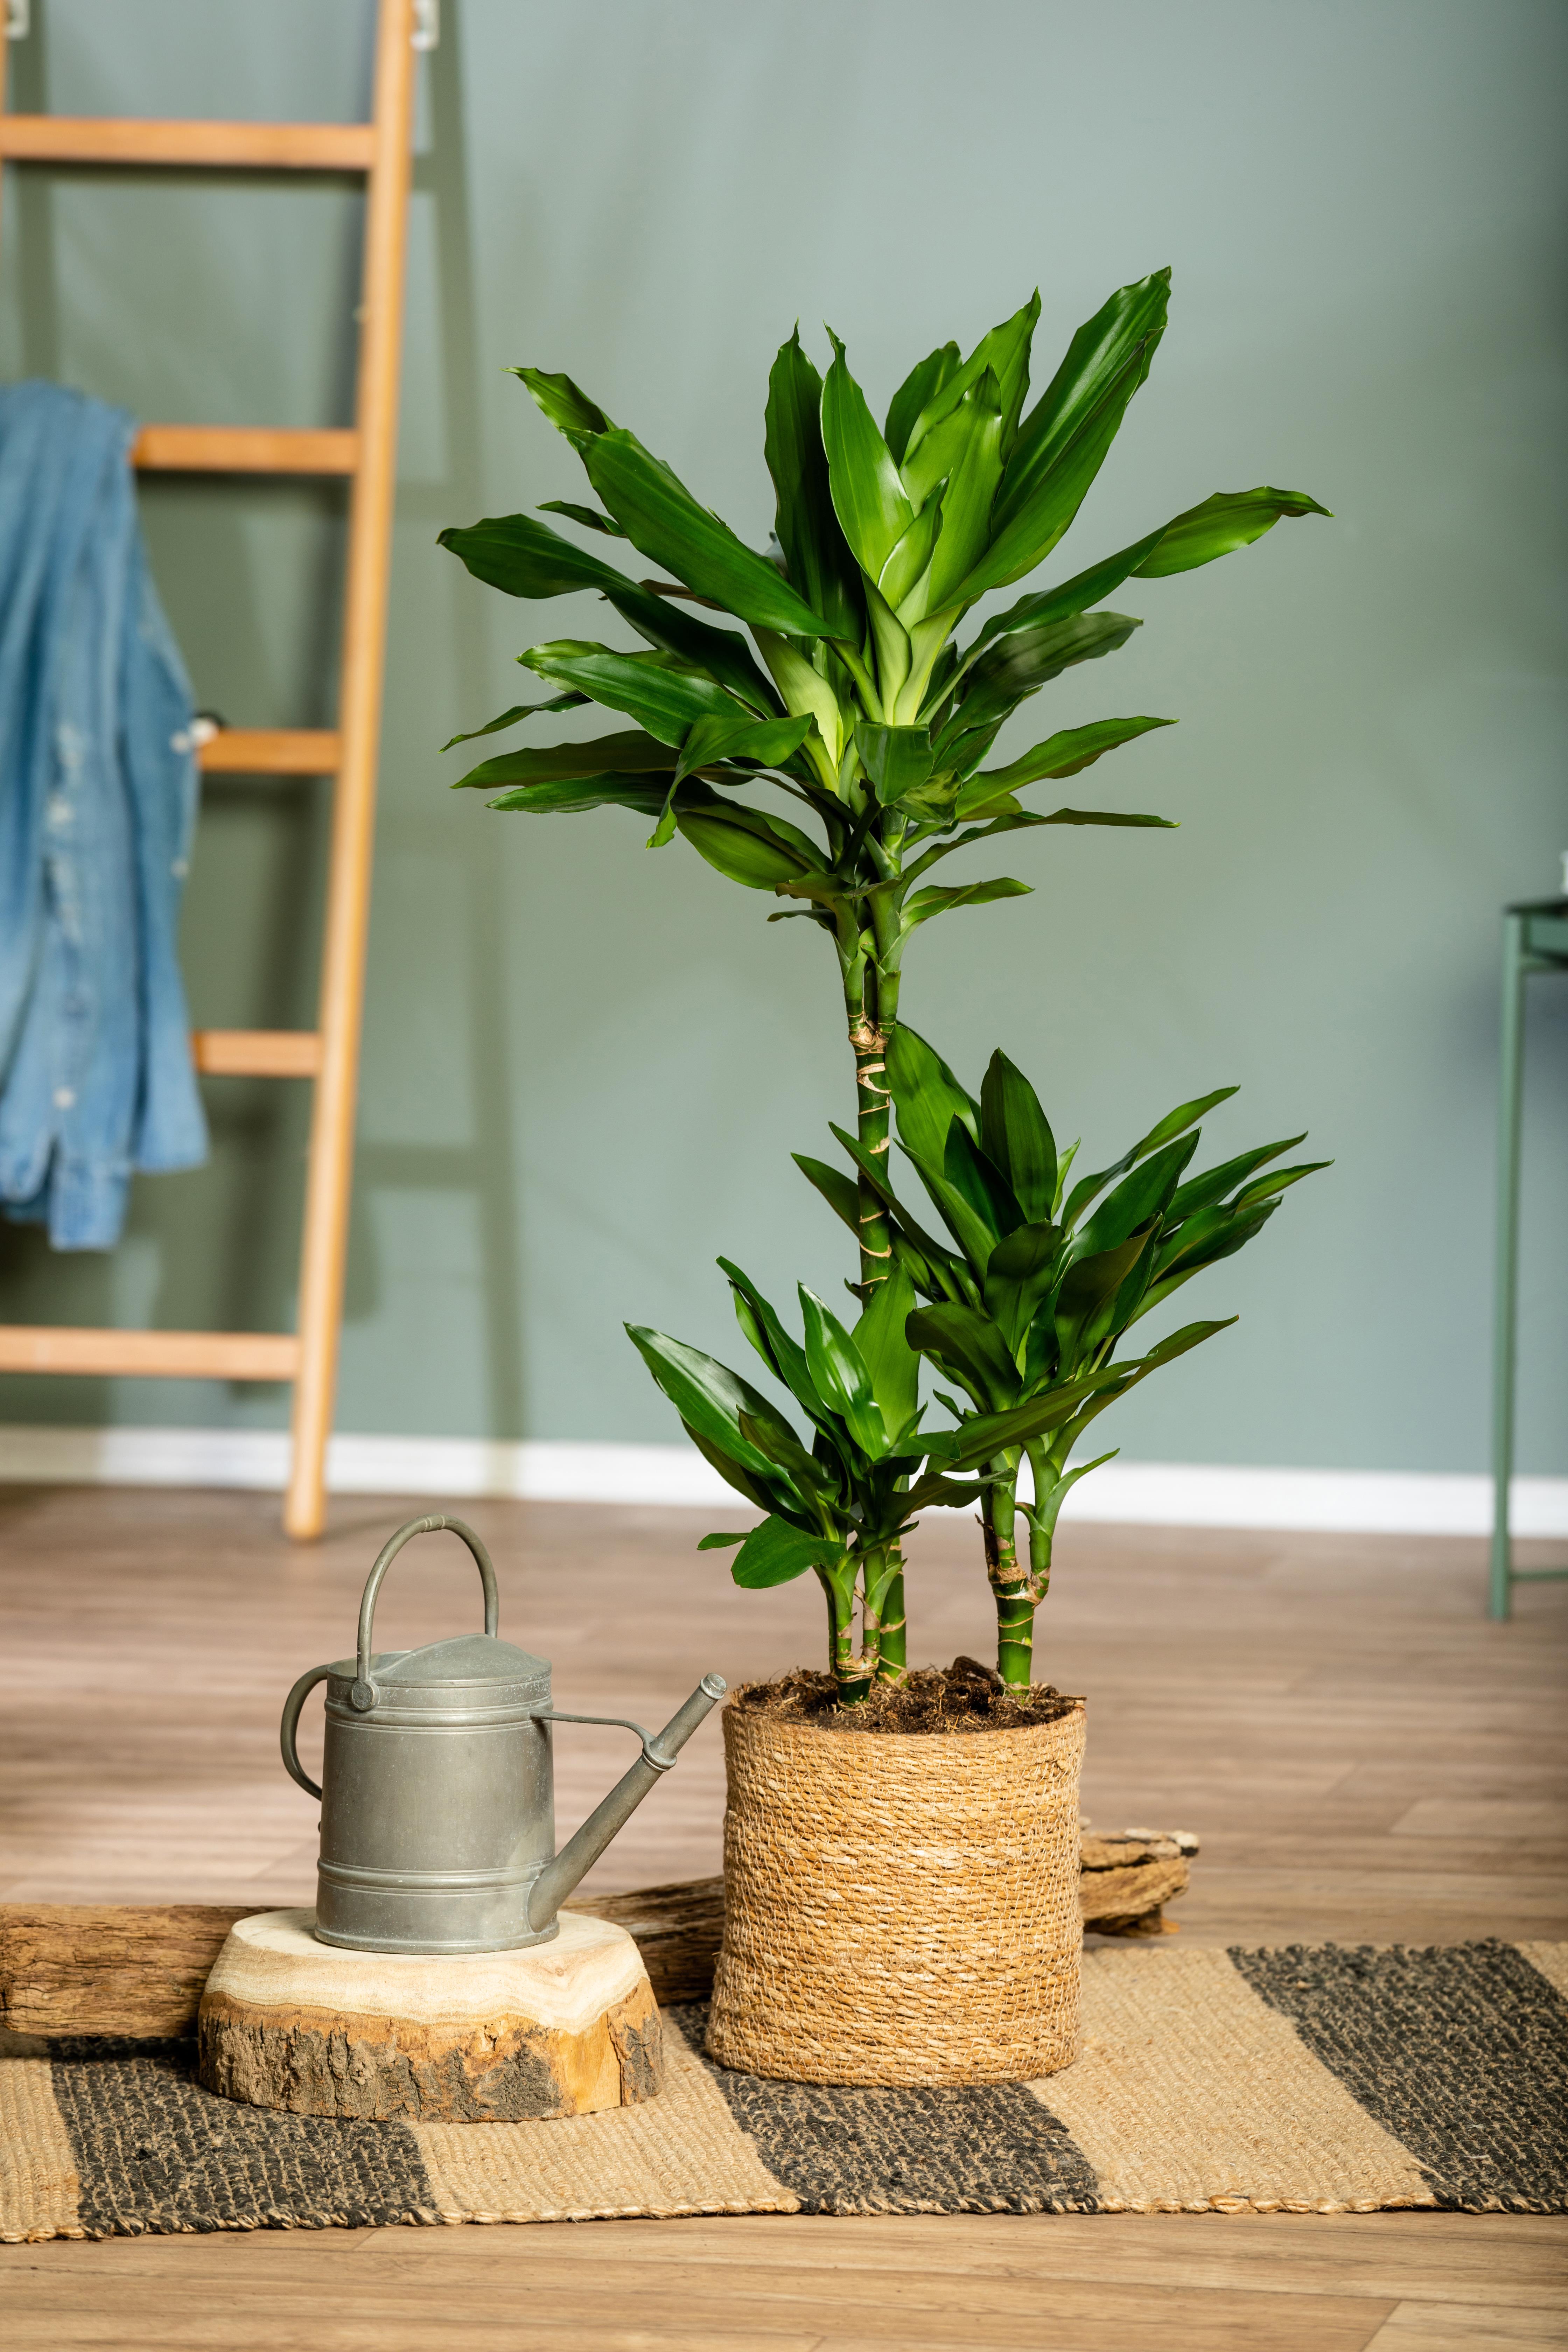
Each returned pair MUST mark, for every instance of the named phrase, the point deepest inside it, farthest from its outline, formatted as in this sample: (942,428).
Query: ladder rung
(244,146)
(270,751)
(244,449)
(256,1053)
(152,1355)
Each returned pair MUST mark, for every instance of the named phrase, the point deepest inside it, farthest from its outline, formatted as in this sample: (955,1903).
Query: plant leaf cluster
(853,694)
(839,1502)
(830,669)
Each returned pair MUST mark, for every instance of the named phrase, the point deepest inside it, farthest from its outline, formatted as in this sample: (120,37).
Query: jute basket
(899,1909)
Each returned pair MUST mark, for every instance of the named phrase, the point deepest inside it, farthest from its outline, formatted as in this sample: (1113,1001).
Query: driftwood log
(137,1971)
(567,2028)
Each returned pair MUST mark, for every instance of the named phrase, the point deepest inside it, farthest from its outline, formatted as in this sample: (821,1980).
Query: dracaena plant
(1033,1293)
(842,1507)
(853,698)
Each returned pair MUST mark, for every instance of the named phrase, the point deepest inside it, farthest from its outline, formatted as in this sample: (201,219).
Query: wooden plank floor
(1364,1755)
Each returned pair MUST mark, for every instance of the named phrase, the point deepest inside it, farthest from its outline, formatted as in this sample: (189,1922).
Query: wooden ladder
(328,1054)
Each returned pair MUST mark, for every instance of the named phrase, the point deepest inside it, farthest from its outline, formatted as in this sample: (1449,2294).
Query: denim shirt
(98,797)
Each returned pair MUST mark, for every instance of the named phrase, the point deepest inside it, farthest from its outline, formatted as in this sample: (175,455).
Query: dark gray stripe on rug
(992,2149)
(157,2153)
(1460,2052)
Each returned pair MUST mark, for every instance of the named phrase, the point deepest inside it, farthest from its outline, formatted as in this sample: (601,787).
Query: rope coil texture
(901,1908)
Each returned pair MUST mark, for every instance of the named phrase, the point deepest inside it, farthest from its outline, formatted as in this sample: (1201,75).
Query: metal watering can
(437,1798)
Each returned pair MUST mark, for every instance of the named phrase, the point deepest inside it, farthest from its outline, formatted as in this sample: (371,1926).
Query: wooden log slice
(567,2028)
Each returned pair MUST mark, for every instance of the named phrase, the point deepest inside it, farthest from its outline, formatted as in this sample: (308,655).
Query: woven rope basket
(900,1908)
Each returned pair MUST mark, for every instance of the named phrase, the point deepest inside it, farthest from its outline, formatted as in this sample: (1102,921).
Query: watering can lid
(465,1658)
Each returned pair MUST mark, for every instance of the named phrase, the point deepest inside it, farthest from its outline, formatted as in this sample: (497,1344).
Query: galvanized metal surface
(438,1793)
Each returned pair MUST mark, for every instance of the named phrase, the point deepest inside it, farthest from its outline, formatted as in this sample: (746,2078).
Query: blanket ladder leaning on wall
(329,1054)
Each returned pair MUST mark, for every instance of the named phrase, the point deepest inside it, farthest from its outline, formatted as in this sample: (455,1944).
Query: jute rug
(1328,2080)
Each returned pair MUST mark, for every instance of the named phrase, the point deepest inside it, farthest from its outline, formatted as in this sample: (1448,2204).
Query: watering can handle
(288,1729)
(364,1693)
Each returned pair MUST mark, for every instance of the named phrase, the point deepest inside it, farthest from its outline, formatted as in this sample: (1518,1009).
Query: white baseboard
(1168,1494)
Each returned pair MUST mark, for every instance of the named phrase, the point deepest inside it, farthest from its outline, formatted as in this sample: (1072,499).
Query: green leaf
(908,559)
(666,702)
(1145,1193)
(1214,529)
(1003,353)
(783,1356)
(510,717)
(975,1237)
(892,1365)
(1214,1183)
(841,1374)
(971,1171)
(870,500)
(1181,1343)
(1017,1275)
(938,898)
(589,516)
(661,516)
(523,556)
(1062,441)
(926,1097)
(841,1192)
(807,1477)
(968,1347)
(1065,754)
(1214,1234)
(1267,1186)
(991,1433)
(1175,1123)
(1018,665)
(765,1490)
(1015,1133)
(1229,519)
(744,846)
(775,1553)
(721,1543)
(967,501)
(1088,1286)
(944,1494)
(709,1397)
(736,735)
(805,691)
(926,378)
(573,795)
(1016,820)
(631,752)
(1046,1508)
(821,566)
(566,405)
(897,758)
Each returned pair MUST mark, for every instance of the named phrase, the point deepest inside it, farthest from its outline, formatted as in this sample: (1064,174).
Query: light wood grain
(243,449)
(148,1355)
(324,1244)
(270,751)
(233,146)
(256,1053)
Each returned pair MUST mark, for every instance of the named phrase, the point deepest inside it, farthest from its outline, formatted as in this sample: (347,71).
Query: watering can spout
(579,1852)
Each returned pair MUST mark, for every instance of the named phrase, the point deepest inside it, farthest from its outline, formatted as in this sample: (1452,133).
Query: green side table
(1534,939)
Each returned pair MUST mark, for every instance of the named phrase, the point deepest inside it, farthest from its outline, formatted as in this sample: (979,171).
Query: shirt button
(65,1097)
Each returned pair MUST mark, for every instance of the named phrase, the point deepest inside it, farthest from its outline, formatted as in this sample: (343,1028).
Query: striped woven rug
(1328,2080)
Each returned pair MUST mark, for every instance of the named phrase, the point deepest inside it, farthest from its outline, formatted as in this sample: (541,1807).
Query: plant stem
(1012,1587)
(888,1622)
(851,1672)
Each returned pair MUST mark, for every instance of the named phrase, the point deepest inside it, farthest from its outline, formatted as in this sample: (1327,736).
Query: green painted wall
(584,1065)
